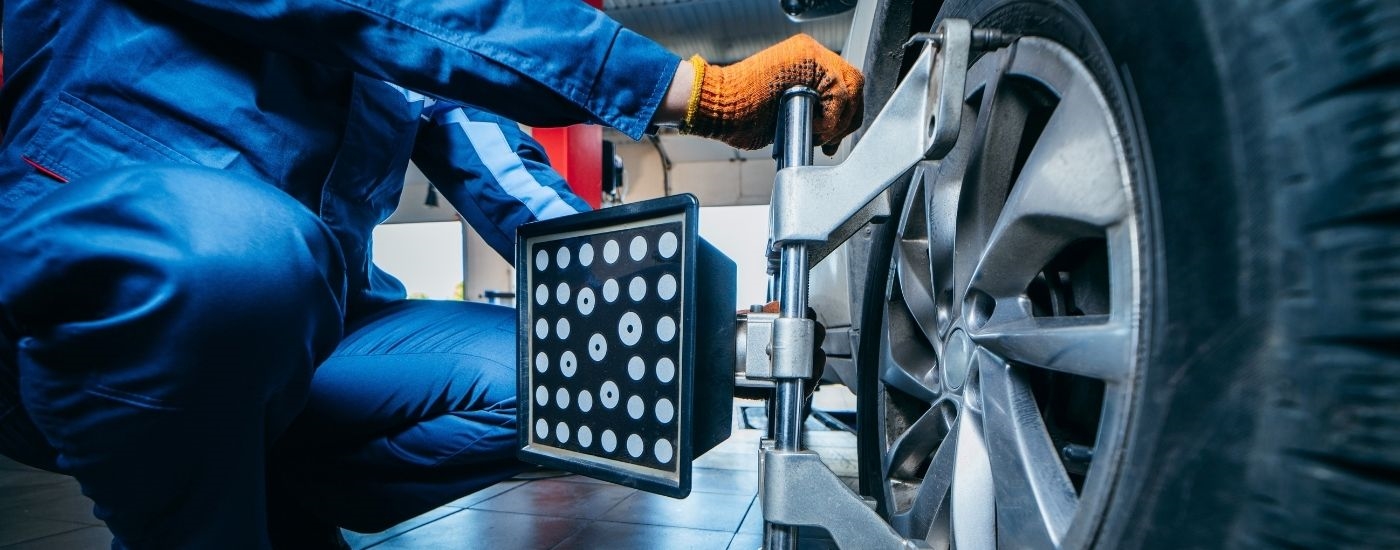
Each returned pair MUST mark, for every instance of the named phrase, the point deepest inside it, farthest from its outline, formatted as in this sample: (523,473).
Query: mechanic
(190,321)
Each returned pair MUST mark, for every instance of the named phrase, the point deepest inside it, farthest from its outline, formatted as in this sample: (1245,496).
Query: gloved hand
(738,104)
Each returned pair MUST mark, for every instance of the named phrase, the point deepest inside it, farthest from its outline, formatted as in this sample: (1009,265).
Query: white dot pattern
(629,329)
(597,347)
(665,411)
(667,244)
(586,301)
(665,329)
(665,370)
(663,451)
(610,252)
(585,255)
(666,287)
(623,403)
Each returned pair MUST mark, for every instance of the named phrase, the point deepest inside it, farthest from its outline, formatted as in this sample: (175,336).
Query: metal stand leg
(795,135)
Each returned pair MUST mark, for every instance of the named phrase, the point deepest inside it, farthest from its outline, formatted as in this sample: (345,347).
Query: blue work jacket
(298,94)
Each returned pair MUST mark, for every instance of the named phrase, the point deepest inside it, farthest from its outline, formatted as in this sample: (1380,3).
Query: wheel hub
(957,359)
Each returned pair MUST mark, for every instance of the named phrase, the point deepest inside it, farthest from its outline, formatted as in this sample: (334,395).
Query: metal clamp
(792,347)
(811,202)
(753,366)
(798,489)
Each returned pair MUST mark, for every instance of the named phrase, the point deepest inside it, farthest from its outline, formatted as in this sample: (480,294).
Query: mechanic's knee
(195,253)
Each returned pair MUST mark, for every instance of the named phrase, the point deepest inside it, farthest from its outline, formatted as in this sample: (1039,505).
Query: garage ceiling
(721,31)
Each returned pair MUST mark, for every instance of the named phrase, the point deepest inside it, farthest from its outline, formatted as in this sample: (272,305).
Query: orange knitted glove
(738,104)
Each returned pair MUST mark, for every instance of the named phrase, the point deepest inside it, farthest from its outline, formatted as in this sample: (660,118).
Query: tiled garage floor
(39,510)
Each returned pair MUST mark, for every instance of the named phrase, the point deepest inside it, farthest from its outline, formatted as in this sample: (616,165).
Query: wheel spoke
(917,443)
(931,500)
(1035,500)
(1095,346)
(973,505)
(1070,188)
(906,361)
(912,264)
(994,140)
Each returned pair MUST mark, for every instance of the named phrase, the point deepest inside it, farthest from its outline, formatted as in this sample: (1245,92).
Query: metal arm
(812,208)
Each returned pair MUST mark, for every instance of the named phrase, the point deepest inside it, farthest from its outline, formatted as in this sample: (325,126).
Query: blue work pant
(176,339)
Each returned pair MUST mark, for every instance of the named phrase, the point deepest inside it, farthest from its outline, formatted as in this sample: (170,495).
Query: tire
(1257,290)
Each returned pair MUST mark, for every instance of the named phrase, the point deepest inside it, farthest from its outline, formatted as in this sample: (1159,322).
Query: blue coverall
(187,193)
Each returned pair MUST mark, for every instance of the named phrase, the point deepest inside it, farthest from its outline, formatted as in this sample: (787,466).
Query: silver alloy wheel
(1009,358)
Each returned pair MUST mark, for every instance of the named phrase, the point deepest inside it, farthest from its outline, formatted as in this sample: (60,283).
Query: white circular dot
(634,445)
(637,249)
(597,347)
(666,287)
(666,329)
(610,290)
(636,368)
(635,407)
(562,328)
(561,293)
(585,436)
(541,396)
(637,289)
(585,401)
(629,328)
(541,362)
(610,251)
(541,295)
(568,364)
(561,432)
(609,441)
(541,329)
(585,255)
(562,398)
(586,300)
(665,411)
(563,257)
(666,245)
(541,260)
(665,370)
(609,394)
(663,451)
(541,429)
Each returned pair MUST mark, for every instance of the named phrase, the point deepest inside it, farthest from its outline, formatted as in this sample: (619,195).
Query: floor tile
(745,461)
(711,511)
(746,541)
(753,520)
(626,536)
(15,529)
(738,482)
(87,538)
(552,497)
(365,540)
(489,492)
(56,501)
(479,529)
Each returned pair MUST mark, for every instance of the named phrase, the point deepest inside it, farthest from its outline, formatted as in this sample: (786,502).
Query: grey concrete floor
(41,510)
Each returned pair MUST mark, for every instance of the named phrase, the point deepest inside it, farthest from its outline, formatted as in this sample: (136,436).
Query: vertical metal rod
(795,142)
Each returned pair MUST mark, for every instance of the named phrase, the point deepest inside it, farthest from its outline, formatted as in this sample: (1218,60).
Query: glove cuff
(693,104)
